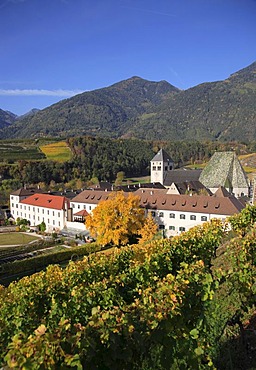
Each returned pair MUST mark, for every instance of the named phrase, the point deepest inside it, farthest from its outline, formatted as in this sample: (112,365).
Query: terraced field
(13,152)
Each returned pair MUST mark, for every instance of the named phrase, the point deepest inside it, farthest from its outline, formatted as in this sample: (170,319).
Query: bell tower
(161,164)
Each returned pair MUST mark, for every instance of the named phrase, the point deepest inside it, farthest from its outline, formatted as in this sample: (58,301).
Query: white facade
(175,222)
(174,213)
(79,206)
(54,218)
(38,208)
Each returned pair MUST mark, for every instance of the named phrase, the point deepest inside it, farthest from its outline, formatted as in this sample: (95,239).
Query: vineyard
(169,304)
(58,151)
(13,152)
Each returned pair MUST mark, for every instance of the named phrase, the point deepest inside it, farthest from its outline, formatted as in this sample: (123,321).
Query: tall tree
(116,220)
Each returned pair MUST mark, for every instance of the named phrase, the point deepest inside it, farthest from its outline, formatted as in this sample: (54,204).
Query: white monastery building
(175,207)
(38,208)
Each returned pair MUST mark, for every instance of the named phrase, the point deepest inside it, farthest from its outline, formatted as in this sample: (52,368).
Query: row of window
(182,216)
(38,210)
(181,228)
(158,168)
(24,215)
(78,206)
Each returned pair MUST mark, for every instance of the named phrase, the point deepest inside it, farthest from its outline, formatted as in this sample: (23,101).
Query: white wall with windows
(175,222)
(54,219)
(77,206)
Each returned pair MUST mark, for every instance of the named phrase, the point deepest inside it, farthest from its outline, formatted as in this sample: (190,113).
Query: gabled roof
(162,156)
(91,196)
(222,192)
(181,175)
(66,193)
(187,187)
(102,185)
(82,213)
(133,187)
(46,201)
(23,192)
(160,200)
(224,169)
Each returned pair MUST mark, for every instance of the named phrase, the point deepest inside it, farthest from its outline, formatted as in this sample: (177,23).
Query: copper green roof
(224,169)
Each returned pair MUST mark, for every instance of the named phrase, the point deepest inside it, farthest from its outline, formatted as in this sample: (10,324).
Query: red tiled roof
(82,213)
(46,201)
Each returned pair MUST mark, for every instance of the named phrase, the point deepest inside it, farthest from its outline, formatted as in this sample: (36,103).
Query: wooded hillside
(222,110)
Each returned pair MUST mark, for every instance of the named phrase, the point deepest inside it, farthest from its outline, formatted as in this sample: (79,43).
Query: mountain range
(222,110)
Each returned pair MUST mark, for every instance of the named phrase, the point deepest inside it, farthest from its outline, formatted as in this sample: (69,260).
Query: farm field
(14,151)
(16,238)
(58,151)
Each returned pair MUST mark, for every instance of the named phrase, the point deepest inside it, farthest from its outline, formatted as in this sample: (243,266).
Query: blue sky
(53,49)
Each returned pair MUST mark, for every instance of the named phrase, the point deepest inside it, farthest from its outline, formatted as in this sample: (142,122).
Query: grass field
(58,151)
(16,238)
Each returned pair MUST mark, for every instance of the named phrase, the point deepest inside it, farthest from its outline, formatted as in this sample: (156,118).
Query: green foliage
(14,151)
(42,227)
(162,305)
(38,262)
(22,224)
(243,222)
(101,159)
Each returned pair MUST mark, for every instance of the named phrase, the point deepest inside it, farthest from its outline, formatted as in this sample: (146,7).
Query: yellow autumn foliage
(116,219)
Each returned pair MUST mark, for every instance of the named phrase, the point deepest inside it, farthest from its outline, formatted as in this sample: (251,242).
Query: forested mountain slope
(100,112)
(222,110)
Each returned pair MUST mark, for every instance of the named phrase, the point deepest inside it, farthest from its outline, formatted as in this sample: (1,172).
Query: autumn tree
(116,220)
(149,229)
